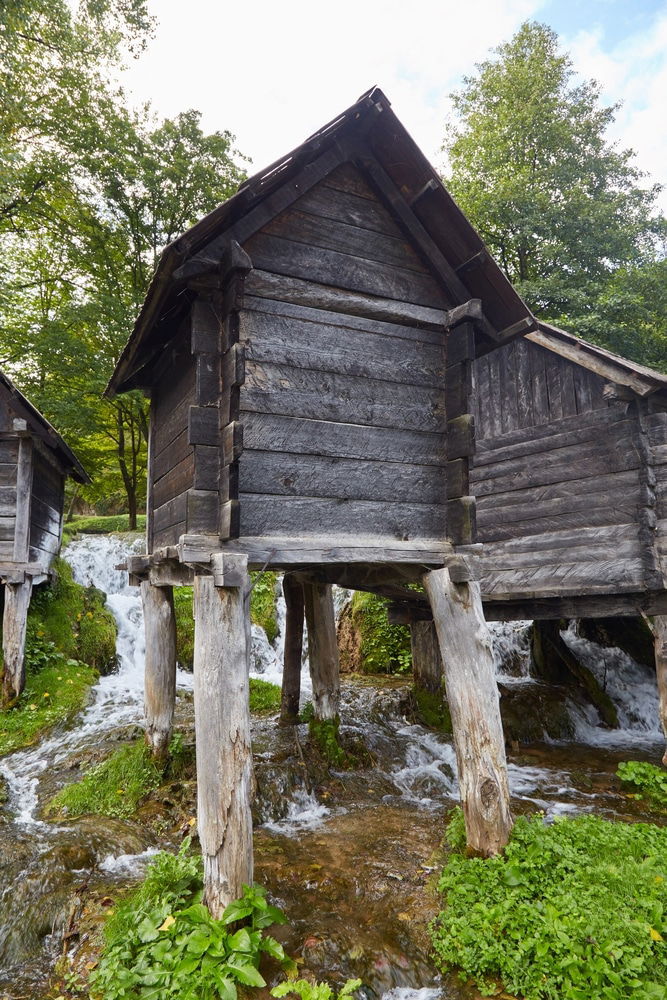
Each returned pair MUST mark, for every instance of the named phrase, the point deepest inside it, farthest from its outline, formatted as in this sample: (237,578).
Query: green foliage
(72,618)
(85,525)
(264,696)
(162,943)
(571,911)
(433,710)
(263,602)
(385,648)
(113,788)
(185,627)
(455,831)
(314,991)
(649,781)
(564,211)
(52,696)
(325,735)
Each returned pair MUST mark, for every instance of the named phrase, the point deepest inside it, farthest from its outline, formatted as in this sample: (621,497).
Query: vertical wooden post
(659,629)
(14,621)
(222,723)
(322,650)
(160,670)
(427,666)
(291,689)
(472,694)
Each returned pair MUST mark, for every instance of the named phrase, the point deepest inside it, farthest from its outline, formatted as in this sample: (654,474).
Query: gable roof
(369,134)
(640,379)
(42,429)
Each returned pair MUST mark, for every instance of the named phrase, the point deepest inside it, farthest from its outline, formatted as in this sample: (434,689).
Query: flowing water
(372,831)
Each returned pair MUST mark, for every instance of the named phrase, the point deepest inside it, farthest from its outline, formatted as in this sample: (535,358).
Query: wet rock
(532,710)
(632,635)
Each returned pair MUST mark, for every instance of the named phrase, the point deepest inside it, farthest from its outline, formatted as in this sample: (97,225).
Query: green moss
(262,612)
(385,648)
(263,602)
(432,710)
(113,788)
(52,696)
(100,525)
(264,697)
(572,910)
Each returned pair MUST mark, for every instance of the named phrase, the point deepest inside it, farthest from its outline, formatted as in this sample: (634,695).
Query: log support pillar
(659,629)
(427,666)
(14,621)
(472,695)
(291,688)
(322,650)
(222,724)
(160,670)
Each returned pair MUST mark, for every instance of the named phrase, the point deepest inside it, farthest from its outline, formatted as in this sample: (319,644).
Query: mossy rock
(432,710)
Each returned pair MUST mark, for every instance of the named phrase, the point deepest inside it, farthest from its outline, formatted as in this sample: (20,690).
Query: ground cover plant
(162,943)
(385,648)
(648,782)
(94,525)
(574,910)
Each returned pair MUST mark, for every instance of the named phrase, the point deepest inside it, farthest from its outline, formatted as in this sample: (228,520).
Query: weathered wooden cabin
(316,351)
(34,463)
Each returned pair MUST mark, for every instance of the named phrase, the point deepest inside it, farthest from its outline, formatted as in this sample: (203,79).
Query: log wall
(560,480)
(343,412)
(46,509)
(9,451)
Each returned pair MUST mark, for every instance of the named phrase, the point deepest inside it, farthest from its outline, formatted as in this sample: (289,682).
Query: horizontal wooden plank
(343,270)
(7,528)
(596,577)
(588,429)
(319,347)
(621,484)
(169,536)
(45,516)
(7,501)
(6,550)
(176,481)
(265,284)
(334,234)
(266,432)
(203,426)
(203,511)
(349,208)
(169,423)
(169,457)
(596,418)
(7,474)
(262,515)
(601,606)
(9,451)
(171,512)
(368,324)
(283,474)
(347,177)
(493,527)
(300,392)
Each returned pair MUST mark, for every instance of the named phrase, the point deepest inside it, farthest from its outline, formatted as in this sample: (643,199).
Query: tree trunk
(291,689)
(160,671)
(224,755)
(14,620)
(427,666)
(472,695)
(322,650)
(659,629)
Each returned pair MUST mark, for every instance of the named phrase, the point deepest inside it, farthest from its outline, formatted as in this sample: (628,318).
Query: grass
(570,911)
(93,525)
(113,788)
(264,697)
(53,696)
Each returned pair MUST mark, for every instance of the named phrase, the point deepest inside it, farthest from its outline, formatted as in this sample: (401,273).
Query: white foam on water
(304,812)
(410,993)
(128,864)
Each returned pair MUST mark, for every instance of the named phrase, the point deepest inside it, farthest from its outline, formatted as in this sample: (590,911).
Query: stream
(347,856)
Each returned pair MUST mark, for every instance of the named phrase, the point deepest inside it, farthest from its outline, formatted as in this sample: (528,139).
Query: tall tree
(566,213)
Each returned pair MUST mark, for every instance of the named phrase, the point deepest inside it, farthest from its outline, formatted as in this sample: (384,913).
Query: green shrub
(162,943)
(649,782)
(385,648)
(571,911)
(185,627)
(113,788)
(264,696)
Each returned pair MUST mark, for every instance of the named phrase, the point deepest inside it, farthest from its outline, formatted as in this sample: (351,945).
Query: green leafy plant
(385,648)
(263,602)
(163,943)
(113,788)
(649,781)
(264,696)
(570,911)
(314,991)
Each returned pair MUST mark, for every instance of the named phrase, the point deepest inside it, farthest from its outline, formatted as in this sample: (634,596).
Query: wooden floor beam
(472,695)
(222,725)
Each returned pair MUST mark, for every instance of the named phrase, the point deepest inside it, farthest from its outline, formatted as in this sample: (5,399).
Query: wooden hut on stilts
(34,463)
(317,353)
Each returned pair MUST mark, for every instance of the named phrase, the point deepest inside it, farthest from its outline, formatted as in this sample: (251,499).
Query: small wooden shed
(315,353)
(34,463)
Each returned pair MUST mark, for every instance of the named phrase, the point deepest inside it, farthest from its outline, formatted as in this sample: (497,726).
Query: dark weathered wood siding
(9,451)
(657,436)
(171,471)
(557,473)
(343,414)
(46,509)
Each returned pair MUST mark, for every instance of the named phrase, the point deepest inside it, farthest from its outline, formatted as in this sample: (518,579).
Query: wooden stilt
(472,694)
(222,722)
(160,672)
(14,621)
(322,650)
(659,629)
(291,690)
(427,666)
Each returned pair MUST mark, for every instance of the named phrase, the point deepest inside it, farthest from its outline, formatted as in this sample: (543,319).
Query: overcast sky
(273,73)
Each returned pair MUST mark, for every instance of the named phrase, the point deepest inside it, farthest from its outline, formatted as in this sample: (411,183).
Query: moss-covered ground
(70,639)
(92,525)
